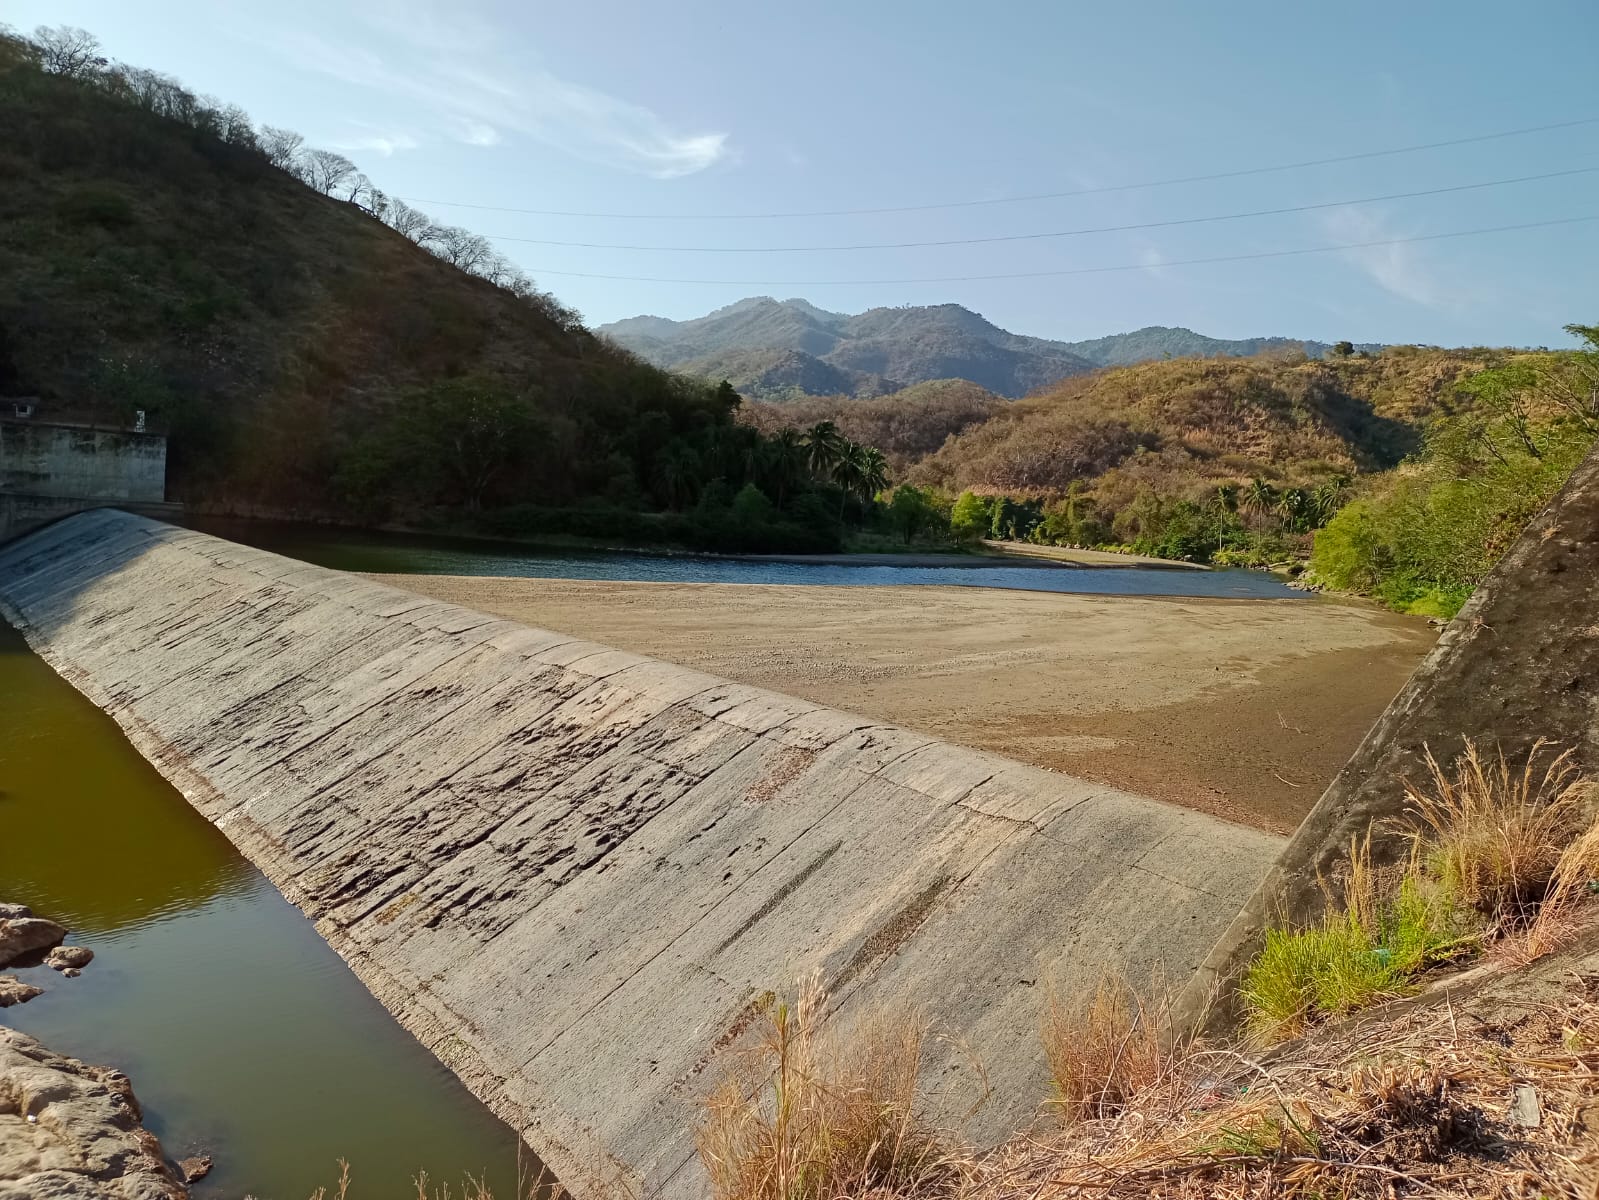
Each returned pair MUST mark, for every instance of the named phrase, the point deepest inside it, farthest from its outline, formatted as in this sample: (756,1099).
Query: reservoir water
(246,1037)
(409,554)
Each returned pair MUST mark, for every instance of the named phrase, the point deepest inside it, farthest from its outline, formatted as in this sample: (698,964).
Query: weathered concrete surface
(69,1131)
(51,470)
(572,871)
(1519,663)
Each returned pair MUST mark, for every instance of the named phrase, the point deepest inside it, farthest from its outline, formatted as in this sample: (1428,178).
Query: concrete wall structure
(50,470)
(1519,663)
(575,873)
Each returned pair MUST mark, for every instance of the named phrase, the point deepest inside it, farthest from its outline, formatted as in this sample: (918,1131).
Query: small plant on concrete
(1110,1049)
(813,1114)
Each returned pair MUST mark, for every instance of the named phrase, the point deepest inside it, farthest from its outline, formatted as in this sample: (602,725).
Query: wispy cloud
(385,144)
(1401,270)
(476,133)
(414,56)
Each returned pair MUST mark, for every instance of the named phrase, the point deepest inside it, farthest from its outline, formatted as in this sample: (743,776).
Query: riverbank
(1243,710)
(73,1131)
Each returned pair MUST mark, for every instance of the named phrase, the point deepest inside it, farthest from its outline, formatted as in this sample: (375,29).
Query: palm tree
(825,446)
(1326,499)
(1259,496)
(1293,506)
(849,471)
(784,461)
(873,472)
(677,474)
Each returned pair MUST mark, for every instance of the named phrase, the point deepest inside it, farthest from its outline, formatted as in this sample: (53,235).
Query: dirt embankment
(1246,709)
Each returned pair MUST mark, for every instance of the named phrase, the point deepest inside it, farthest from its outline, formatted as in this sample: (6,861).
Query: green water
(246,1037)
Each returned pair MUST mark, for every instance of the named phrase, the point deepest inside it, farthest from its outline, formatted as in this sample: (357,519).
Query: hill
(907,425)
(884,349)
(1179,425)
(308,344)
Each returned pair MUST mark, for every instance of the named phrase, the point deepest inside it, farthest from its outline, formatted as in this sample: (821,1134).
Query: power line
(1184,262)
(1063,233)
(1093,191)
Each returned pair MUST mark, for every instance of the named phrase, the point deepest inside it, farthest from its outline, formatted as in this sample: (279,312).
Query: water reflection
(246,1036)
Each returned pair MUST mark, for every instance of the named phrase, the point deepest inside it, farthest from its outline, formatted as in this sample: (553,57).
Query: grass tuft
(812,1114)
(1493,834)
(1108,1050)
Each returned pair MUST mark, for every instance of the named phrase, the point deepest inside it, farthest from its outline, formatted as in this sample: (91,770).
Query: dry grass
(1110,1049)
(810,1113)
(1395,1105)
(1493,834)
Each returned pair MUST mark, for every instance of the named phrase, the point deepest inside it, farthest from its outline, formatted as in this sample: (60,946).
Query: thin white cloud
(429,64)
(1400,270)
(477,133)
(385,144)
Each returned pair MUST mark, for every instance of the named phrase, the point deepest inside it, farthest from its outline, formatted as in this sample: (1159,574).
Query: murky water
(246,1037)
(352,550)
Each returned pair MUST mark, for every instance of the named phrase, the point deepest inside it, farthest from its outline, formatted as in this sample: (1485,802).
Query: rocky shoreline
(68,1130)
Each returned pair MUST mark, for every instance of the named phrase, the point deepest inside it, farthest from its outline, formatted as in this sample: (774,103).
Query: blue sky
(710,107)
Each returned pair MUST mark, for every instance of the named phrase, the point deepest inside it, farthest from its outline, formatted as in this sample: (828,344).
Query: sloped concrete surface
(573,872)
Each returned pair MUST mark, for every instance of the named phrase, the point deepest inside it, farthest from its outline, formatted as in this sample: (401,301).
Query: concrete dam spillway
(574,873)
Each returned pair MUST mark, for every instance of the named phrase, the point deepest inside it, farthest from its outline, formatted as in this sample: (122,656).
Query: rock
(63,957)
(21,936)
(10,912)
(1524,1107)
(71,972)
(195,1168)
(69,1130)
(14,991)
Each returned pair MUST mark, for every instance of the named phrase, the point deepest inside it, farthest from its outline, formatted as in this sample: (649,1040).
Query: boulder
(69,1131)
(14,991)
(195,1168)
(21,936)
(10,912)
(63,957)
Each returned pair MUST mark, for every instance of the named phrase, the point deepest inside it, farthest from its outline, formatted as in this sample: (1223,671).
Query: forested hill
(306,341)
(779,349)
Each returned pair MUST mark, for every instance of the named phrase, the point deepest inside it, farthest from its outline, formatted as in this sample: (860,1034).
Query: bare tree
(460,247)
(68,50)
(324,170)
(234,126)
(408,222)
(281,146)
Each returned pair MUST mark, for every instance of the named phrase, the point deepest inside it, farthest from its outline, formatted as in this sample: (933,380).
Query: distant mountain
(775,349)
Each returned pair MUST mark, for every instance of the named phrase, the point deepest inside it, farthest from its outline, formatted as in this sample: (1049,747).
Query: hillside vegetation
(311,345)
(778,349)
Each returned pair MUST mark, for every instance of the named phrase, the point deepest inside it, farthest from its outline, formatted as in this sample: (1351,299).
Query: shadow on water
(246,1036)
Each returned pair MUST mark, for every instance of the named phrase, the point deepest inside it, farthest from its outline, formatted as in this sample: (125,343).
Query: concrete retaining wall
(574,872)
(48,471)
(1519,663)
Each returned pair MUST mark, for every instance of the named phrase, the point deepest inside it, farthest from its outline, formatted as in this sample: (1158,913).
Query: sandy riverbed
(1242,708)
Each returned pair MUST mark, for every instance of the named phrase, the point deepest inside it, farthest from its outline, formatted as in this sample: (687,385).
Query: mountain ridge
(776,349)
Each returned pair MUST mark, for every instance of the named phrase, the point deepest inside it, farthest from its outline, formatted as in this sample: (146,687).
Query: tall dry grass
(812,1112)
(1493,833)
(1112,1048)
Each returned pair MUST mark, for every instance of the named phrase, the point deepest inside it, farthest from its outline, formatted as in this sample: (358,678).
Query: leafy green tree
(785,461)
(970,517)
(1343,349)
(911,511)
(751,507)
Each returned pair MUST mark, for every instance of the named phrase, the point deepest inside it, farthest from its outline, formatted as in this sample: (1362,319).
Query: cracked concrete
(570,871)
